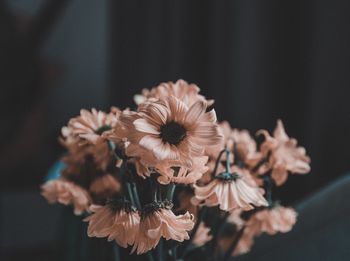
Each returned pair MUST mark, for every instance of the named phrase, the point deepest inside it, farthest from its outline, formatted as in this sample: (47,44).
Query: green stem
(136,195)
(233,244)
(170,191)
(131,195)
(150,256)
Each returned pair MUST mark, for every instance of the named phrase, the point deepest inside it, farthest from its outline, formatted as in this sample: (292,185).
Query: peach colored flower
(159,221)
(66,193)
(169,130)
(179,174)
(202,235)
(231,191)
(272,221)
(188,93)
(246,147)
(105,185)
(117,220)
(90,125)
(285,155)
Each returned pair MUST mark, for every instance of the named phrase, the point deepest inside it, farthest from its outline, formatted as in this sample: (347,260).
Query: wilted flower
(66,193)
(285,155)
(90,125)
(202,235)
(180,174)
(169,130)
(188,93)
(159,221)
(271,221)
(235,218)
(231,190)
(117,220)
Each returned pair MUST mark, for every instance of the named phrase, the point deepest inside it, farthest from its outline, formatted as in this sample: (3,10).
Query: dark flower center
(227,176)
(102,129)
(120,204)
(155,206)
(172,132)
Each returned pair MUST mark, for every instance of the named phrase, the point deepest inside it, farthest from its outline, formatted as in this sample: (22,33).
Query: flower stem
(131,195)
(116,252)
(218,161)
(233,244)
(170,192)
(136,195)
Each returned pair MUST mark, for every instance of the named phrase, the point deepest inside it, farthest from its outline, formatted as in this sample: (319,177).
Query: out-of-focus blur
(259,60)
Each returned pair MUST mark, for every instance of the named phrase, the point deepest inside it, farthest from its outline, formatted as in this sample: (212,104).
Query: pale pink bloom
(159,221)
(285,155)
(105,184)
(230,191)
(169,130)
(66,193)
(188,93)
(185,203)
(117,221)
(202,235)
(246,147)
(90,125)
(180,174)
(272,221)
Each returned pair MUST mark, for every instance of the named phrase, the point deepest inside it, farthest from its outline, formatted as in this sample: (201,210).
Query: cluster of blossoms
(186,165)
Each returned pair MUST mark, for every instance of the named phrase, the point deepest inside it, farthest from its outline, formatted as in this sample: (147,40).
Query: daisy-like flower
(231,190)
(188,93)
(158,221)
(272,221)
(285,155)
(226,142)
(66,193)
(117,220)
(202,235)
(90,125)
(179,174)
(170,131)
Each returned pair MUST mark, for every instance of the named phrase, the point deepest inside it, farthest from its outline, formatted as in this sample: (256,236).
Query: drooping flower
(91,125)
(271,221)
(285,155)
(235,218)
(117,220)
(170,131)
(169,172)
(66,193)
(158,221)
(188,93)
(231,190)
(202,235)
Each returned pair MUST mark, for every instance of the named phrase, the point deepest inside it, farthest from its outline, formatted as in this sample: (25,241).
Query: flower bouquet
(168,182)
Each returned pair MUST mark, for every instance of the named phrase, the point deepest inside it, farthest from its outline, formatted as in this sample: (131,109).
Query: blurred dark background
(260,61)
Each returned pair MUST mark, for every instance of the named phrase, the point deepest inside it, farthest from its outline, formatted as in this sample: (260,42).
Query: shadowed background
(260,61)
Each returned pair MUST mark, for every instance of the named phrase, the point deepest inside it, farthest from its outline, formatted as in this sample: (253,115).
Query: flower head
(188,93)
(159,221)
(272,221)
(66,193)
(168,130)
(105,185)
(285,155)
(90,125)
(230,191)
(117,220)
